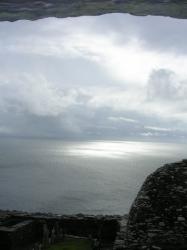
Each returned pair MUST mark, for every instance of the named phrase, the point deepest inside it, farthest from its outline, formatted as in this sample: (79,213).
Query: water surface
(93,177)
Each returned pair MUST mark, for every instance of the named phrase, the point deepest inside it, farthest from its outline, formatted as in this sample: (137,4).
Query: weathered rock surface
(158,217)
(119,243)
(11,10)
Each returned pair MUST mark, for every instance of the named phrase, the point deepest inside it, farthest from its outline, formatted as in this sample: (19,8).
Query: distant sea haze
(92,177)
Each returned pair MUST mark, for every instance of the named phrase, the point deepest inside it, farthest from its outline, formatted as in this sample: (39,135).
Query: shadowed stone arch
(12,10)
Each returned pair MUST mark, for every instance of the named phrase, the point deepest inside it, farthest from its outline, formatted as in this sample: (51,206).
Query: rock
(12,10)
(158,217)
(119,243)
(181,219)
(162,224)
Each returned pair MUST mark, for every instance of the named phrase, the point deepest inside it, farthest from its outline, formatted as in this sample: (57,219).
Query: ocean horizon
(70,177)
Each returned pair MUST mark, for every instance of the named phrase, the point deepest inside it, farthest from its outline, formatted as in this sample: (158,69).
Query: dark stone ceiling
(12,10)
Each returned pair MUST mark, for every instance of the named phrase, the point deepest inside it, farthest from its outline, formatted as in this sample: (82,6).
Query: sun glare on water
(116,149)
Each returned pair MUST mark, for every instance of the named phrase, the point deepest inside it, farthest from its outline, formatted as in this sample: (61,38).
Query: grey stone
(160,220)
(12,10)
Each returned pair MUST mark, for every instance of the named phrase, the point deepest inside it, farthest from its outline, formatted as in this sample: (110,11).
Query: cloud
(158,129)
(123,119)
(34,94)
(104,76)
(5,131)
(163,84)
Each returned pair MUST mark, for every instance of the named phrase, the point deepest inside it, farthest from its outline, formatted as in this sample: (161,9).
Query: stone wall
(17,233)
(44,227)
(158,217)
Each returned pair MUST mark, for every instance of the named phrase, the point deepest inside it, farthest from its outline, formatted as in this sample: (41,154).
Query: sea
(71,177)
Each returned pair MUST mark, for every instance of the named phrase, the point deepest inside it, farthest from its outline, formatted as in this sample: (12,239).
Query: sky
(114,76)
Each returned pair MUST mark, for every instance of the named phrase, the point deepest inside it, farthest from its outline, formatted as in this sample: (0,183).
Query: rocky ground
(12,10)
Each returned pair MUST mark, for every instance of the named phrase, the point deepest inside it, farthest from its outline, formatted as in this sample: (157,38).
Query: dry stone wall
(158,217)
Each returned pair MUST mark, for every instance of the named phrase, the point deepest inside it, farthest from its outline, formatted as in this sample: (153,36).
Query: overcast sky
(111,77)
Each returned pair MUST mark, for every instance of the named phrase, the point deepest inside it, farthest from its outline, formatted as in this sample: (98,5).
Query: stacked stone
(158,217)
(120,238)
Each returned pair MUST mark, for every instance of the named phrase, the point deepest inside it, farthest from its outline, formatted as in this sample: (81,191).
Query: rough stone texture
(11,10)
(119,243)
(100,227)
(158,217)
(16,234)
